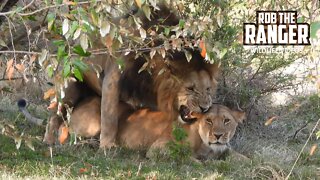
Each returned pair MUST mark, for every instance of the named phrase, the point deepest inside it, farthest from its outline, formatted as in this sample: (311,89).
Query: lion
(208,133)
(168,83)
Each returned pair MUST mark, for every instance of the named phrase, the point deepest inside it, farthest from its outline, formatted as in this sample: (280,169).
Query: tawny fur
(153,129)
(192,84)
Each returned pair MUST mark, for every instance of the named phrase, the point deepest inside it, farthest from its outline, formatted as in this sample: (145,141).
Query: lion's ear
(239,116)
(214,70)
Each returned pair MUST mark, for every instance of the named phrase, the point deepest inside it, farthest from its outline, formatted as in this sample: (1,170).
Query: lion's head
(186,83)
(197,92)
(217,126)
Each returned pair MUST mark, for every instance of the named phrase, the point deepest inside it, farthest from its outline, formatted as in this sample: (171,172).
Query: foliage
(179,149)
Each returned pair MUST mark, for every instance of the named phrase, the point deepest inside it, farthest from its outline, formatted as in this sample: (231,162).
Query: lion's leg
(109,105)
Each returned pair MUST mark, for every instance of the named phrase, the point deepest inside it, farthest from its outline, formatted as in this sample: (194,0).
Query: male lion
(170,83)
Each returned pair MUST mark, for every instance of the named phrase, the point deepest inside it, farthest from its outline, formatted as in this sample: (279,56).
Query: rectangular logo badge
(276,28)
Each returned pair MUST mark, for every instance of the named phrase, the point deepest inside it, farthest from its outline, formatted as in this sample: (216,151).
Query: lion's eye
(208,89)
(226,121)
(209,121)
(191,88)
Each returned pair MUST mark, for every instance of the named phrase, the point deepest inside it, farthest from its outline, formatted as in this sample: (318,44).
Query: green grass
(89,162)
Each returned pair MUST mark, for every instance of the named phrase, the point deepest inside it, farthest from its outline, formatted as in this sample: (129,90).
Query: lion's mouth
(216,143)
(186,114)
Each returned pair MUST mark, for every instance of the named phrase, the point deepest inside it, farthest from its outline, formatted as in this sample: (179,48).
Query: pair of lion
(208,133)
(172,89)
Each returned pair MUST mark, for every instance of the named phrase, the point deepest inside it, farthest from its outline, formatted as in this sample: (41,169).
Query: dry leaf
(203,48)
(108,41)
(49,93)
(64,133)
(138,2)
(313,149)
(33,58)
(83,170)
(20,67)
(10,73)
(10,69)
(69,2)
(270,120)
(9,64)
(52,105)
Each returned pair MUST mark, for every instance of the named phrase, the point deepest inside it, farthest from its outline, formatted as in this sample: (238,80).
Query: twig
(300,129)
(12,43)
(44,8)
(15,78)
(304,146)
(24,8)
(20,52)
(93,52)
(6,7)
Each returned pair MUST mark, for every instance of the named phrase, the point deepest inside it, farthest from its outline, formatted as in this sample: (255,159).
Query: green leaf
(146,11)
(143,33)
(188,55)
(318,134)
(315,27)
(78,50)
(29,144)
(18,9)
(300,19)
(222,53)
(305,12)
(65,26)
(105,28)
(181,23)
(66,70)
(43,56)
(50,71)
(77,33)
(120,62)
(58,1)
(144,66)
(32,18)
(84,41)
(166,31)
(18,140)
(58,42)
(77,73)
(74,26)
(61,52)
(51,18)
(94,17)
(2,43)
(82,66)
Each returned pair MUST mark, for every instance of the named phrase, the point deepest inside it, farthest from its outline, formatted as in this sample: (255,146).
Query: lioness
(208,133)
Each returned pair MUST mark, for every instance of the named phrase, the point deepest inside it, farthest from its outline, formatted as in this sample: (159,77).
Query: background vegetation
(47,41)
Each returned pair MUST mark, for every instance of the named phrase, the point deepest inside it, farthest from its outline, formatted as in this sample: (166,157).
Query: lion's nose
(204,109)
(218,136)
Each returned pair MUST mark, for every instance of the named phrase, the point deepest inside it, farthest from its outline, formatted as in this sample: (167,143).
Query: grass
(268,159)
